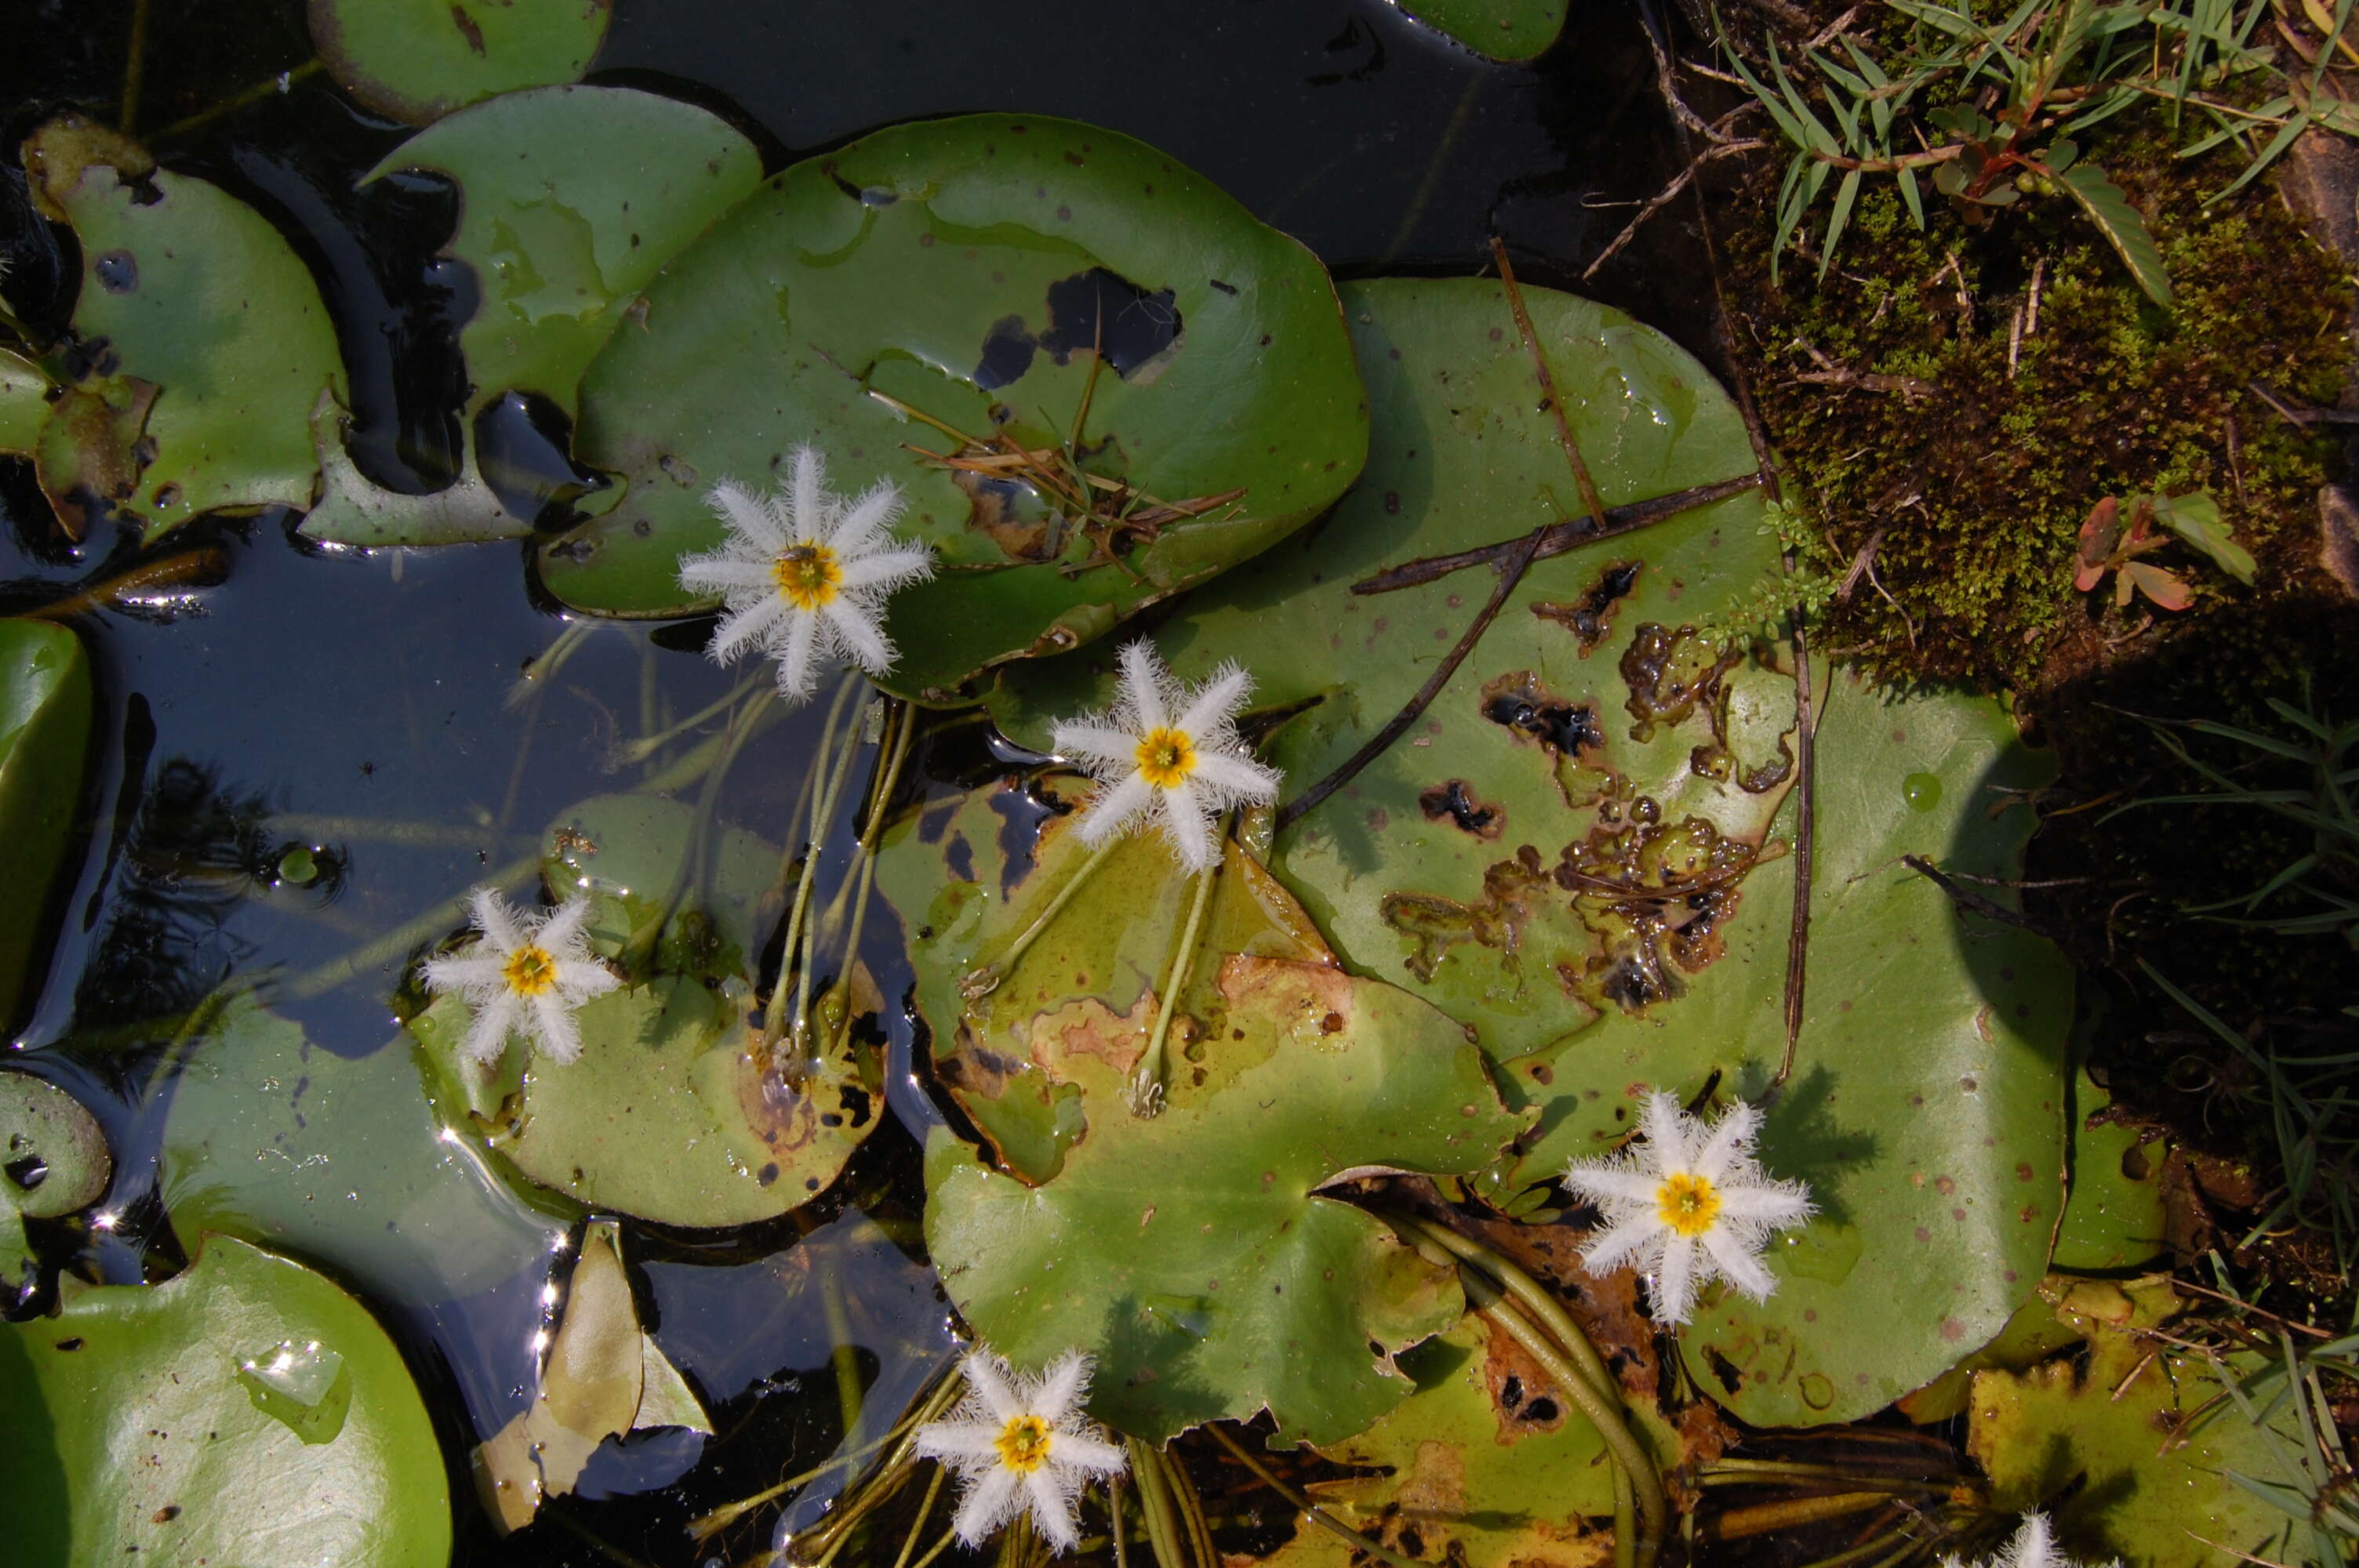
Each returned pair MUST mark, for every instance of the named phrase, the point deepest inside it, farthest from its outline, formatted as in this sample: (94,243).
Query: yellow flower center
(1165,757)
(1022,1443)
(807,575)
(530,970)
(1688,1204)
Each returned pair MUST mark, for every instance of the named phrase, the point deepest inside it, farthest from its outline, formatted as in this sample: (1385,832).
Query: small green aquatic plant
(2110,547)
(1991,108)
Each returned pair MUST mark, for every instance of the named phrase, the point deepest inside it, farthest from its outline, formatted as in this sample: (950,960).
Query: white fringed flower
(1687,1205)
(805,575)
(1020,1442)
(524,973)
(2033,1546)
(1178,774)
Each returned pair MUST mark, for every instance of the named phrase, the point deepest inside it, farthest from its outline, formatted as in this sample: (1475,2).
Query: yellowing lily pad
(980,288)
(245,1412)
(1192,1253)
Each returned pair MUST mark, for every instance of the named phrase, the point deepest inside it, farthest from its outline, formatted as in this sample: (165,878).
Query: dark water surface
(356,703)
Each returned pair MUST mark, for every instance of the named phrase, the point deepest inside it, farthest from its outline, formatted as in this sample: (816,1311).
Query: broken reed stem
(1511,573)
(1581,475)
(1561,537)
(1316,1514)
(1790,1513)
(1146,1097)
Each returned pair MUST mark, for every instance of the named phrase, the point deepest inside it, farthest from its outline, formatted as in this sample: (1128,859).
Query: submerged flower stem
(1192,1512)
(1791,1513)
(925,1511)
(633,752)
(1155,1505)
(984,979)
(1316,1515)
(1596,1399)
(1115,1530)
(792,960)
(1146,1093)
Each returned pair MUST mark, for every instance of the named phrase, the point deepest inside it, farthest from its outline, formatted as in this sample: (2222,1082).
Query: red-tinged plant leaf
(2098,536)
(2162,587)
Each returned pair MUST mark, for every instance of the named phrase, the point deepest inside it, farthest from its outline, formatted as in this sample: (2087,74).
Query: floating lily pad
(419,60)
(2126,1443)
(198,297)
(1483,1466)
(53,1161)
(675,1112)
(1503,29)
(1036,1060)
(1193,1254)
(45,719)
(23,404)
(1562,830)
(1925,1107)
(247,1411)
(2113,1217)
(993,274)
(276,1141)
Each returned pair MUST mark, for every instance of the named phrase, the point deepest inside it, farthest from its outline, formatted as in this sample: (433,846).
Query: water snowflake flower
(1021,1443)
(805,574)
(2033,1546)
(1177,773)
(522,973)
(1688,1204)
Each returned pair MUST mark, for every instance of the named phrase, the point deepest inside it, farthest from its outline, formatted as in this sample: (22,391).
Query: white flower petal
(956,1440)
(1234,780)
(805,501)
(1738,1263)
(989,1502)
(1142,685)
(1777,1204)
(1052,1509)
(1113,809)
(562,928)
(1084,1451)
(1112,750)
(552,1022)
(888,569)
(1666,1134)
(1731,1144)
(1604,1181)
(1617,1245)
(1063,1382)
(1186,819)
(494,919)
(1212,704)
(798,669)
(863,524)
(584,979)
(745,514)
(860,636)
(465,971)
(1675,1280)
(742,629)
(989,1378)
(487,1030)
(726,574)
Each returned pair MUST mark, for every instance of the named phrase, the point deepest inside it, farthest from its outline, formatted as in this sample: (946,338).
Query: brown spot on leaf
(1590,618)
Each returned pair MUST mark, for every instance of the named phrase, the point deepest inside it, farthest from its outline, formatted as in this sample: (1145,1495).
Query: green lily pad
(1560,831)
(1192,1253)
(974,270)
(45,719)
(2113,1217)
(1034,1061)
(23,404)
(1503,29)
(1483,1466)
(1925,1107)
(675,1112)
(53,1161)
(196,293)
(247,1411)
(418,61)
(340,1160)
(2128,1423)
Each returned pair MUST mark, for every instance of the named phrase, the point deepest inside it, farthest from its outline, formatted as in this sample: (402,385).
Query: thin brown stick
(1558,538)
(1664,197)
(1580,476)
(1511,573)
(1967,899)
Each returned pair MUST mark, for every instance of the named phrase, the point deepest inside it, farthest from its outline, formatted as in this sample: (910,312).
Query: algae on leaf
(1050,311)
(216,344)
(1194,1255)
(419,60)
(244,1411)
